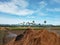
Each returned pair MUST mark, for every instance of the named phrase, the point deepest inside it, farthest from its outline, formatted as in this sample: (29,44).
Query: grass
(35,28)
(24,28)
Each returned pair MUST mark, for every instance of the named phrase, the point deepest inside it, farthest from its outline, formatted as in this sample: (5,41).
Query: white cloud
(39,12)
(54,2)
(8,21)
(17,7)
(42,14)
(42,4)
(21,3)
(31,17)
(57,1)
(5,20)
(53,9)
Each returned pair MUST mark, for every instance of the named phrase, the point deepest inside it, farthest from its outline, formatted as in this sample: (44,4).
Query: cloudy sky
(17,11)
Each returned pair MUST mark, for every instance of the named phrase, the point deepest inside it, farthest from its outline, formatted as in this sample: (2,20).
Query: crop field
(35,28)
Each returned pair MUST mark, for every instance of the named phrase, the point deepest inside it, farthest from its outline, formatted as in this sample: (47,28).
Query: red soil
(37,37)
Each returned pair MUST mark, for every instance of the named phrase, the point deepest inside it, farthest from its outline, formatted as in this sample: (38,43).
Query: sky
(18,11)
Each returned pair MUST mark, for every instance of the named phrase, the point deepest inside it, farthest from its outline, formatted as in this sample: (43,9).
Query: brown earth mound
(36,37)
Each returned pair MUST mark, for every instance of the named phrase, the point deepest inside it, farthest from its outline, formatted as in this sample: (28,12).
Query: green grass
(35,28)
(24,28)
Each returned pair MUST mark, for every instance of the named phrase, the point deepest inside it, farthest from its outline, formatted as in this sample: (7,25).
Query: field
(35,28)
(19,30)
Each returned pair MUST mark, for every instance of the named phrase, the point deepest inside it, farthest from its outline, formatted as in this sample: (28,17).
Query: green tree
(33,22)
(45,22)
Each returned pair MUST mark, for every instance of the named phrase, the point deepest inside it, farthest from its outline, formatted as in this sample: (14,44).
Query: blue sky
(18,11)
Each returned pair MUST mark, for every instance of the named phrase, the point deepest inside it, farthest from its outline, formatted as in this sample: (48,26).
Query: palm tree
(45,25)
(45,22)
(33,22)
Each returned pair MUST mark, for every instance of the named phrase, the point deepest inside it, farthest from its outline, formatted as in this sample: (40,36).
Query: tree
(28,23)
(45,22)
(39,24)
(23,23)
(33,22)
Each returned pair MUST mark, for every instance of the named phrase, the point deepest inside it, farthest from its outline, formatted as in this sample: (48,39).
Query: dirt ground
(36,37)
(18,32)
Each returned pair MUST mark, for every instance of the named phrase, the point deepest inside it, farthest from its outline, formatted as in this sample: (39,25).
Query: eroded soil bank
(36,37)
